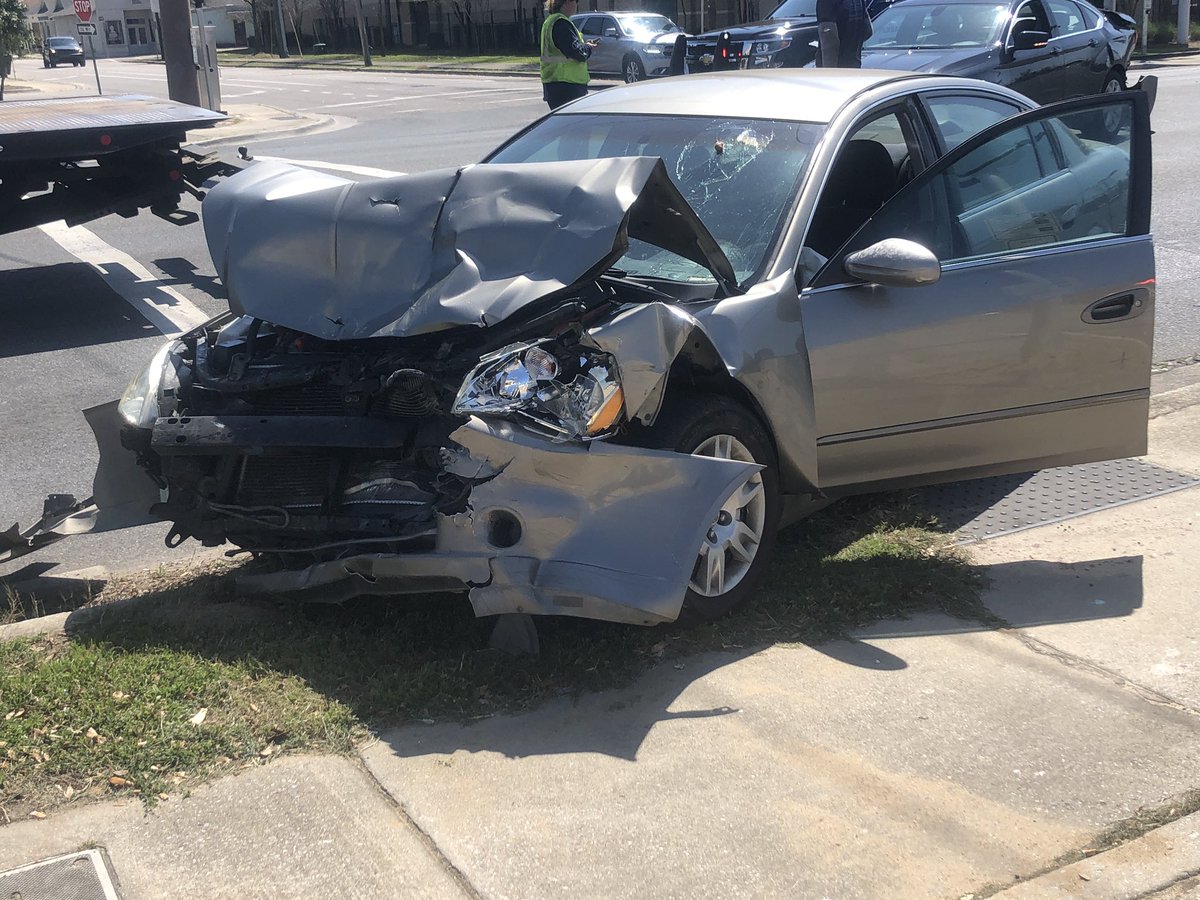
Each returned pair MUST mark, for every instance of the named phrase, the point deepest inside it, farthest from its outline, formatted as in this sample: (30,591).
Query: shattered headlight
(139,403)
(566,393)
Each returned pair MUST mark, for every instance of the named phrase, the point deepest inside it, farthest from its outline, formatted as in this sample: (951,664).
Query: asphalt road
(68,341)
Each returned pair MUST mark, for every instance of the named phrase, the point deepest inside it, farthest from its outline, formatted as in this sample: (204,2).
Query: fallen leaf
(14,714)
(142,743)
(37,814)
(268,750)
(1084,877)
(255,708)
(69,792)
(163,796)
(119,695)
(118,781)
(198,718)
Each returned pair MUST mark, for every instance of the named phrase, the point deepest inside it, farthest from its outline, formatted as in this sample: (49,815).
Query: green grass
(282,677)
(406,59)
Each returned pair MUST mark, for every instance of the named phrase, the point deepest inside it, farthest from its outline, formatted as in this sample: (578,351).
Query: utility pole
(362,33)
(1183,22)
(175,34)
(283,50)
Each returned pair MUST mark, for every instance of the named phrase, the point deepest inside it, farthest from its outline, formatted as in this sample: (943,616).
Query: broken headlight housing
(565,393)
(139,404)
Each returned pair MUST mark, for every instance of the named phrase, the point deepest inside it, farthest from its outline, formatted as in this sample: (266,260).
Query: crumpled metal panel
(645,341)
(420,253)
(122,494)
(600,532)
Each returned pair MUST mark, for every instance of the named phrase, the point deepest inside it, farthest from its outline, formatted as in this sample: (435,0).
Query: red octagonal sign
(83,9)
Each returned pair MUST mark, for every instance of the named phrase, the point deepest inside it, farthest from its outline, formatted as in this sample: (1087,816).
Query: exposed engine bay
(291,444)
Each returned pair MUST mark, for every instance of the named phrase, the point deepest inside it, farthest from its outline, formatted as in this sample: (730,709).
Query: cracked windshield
(739,175)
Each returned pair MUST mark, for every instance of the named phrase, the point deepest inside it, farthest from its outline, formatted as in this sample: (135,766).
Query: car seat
(862,178)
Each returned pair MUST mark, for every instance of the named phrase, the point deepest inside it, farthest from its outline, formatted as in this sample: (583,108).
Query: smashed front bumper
(599,531)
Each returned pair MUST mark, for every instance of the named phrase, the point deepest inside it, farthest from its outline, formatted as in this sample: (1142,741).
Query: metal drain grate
(989,507)
(77,876)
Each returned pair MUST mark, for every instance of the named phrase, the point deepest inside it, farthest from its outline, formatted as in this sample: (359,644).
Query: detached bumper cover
(599,533)
(122,494)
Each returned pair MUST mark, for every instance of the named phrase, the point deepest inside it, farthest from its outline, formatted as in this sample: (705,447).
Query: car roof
(803,95)
(63,39)
(623,14)
(904,4)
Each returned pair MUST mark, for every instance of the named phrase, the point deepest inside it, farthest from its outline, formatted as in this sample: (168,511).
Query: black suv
(787,37)
(61,50)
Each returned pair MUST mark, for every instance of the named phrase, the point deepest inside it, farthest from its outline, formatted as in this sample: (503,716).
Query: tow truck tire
(715,425)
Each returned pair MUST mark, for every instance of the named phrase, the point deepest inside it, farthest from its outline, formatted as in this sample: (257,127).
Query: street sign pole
(95,66)
(83,9)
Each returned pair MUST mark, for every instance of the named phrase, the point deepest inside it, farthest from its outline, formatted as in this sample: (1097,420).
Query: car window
(1031,16)
(790,9)
(648,24)
(930,25)
(958,118)
(739,175)
(606,22)
(1068,18)
(1019,191)
(593,26)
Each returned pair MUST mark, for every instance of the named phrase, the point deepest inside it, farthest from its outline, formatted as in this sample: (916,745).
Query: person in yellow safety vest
(564,55)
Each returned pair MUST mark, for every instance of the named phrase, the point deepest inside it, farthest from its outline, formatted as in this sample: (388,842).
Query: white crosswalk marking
(162,306)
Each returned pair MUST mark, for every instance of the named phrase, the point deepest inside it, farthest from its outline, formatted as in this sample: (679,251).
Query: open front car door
(1027,342)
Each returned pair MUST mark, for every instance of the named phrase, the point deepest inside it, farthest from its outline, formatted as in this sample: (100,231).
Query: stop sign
(83,9)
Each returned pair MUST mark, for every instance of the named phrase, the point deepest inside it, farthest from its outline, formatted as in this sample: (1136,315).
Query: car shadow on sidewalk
(396,661)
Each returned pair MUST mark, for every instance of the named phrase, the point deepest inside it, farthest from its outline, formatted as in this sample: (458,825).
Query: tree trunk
(362,33)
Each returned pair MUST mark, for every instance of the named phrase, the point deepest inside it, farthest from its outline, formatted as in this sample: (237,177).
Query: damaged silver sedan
(593,375)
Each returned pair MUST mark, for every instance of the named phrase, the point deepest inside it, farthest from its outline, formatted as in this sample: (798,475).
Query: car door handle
(1091,42)
(1114,308)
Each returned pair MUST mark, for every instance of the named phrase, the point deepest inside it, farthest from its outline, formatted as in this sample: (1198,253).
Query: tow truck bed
(79,158)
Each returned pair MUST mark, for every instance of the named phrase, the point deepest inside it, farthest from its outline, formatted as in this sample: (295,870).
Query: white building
(130,27)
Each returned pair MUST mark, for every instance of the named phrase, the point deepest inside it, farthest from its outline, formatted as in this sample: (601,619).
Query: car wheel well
(699,369)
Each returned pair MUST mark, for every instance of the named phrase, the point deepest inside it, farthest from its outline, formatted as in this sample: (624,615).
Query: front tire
(633,70)
(736,552)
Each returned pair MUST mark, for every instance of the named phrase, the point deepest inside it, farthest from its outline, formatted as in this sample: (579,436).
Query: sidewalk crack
(457,874)
(1149,694)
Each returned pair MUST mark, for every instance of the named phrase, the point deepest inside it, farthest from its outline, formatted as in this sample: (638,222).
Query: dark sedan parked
(1047,49)
(58,50)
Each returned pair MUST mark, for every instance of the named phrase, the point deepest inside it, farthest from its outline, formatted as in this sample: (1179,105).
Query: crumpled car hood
(420,253)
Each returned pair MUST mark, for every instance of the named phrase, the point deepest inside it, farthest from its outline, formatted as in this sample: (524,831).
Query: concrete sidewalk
(930,757)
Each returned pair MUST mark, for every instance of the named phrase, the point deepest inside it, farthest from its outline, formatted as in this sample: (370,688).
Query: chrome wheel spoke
(744,542)
(714,570)
(747,493)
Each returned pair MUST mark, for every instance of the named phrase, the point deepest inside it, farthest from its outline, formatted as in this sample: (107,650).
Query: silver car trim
(1007,258)
(977,418)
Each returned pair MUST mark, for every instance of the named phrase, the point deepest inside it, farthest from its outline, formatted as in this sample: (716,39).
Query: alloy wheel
(733,539)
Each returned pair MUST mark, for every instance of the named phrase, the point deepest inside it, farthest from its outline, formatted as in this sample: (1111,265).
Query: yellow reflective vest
(556,66)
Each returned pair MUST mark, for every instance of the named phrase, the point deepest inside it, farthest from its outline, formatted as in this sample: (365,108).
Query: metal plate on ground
(77,876)
(989,507)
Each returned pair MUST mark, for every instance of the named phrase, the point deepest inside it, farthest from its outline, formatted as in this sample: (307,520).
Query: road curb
(214,136)
(1158,860)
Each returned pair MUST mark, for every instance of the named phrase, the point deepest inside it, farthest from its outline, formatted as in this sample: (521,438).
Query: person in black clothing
(843,26)
(564,55)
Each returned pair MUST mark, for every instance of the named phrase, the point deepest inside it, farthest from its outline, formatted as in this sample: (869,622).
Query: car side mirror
(1030,40)
(611,32)
(894,262)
